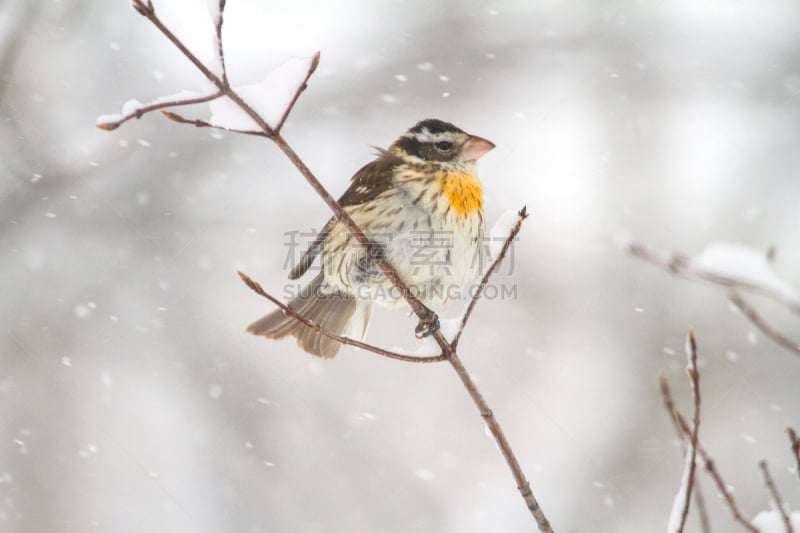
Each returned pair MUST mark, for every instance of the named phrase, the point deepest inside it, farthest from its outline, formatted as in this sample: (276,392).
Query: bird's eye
(444,145)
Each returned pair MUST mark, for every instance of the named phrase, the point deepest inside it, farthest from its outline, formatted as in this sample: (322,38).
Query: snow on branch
(772,522)
(686,433)
(777,500)
(736,268)
(261,108)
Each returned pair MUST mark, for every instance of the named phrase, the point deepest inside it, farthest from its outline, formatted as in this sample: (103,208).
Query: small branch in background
(683,499)
(776,497)
(694,376)
(686,432)
(698,495)
(682,265)
(758,321)
(795,440)
(523,214)
(729,500)
(256,287)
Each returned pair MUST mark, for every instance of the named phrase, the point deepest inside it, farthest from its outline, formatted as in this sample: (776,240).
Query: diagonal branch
(795,443)
(302,87)
(523,214)
(685,431)
(256,287)
(758,321)
(776,496)
(694,376)
(682,265)
(523,485)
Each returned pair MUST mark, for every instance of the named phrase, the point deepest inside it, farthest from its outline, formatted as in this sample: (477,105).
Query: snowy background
(132,400)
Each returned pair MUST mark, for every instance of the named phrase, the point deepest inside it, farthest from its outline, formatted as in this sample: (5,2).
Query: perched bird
(421,206)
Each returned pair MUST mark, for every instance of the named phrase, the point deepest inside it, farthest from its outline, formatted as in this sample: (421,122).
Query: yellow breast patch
(464,192)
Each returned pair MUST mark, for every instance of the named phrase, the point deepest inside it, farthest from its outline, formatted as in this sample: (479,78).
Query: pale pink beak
(475,148)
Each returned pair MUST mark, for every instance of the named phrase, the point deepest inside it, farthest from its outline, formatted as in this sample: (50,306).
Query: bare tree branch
(256,287)
(686,431)
(691,456)
(682,265)
(302,87)
(523,214)
(776,497)
(699,500)
(795,440)
(758,321)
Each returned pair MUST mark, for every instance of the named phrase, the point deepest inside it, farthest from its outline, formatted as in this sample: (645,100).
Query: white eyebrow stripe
(425,136)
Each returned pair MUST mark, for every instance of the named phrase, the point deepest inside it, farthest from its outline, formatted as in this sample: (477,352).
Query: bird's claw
(427,326)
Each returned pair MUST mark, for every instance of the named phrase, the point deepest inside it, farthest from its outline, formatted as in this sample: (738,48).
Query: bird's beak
(475,148)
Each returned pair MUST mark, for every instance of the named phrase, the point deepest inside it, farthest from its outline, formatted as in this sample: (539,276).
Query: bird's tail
(332,312)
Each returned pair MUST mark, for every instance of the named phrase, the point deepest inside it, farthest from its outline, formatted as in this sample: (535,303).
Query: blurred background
(132,400)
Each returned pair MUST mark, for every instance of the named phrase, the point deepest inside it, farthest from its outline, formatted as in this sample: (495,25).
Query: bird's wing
(369,182)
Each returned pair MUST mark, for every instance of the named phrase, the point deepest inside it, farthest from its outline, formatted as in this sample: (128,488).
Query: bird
(420,204)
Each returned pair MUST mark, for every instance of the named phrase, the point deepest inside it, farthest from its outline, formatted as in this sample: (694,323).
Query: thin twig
(669,405)
(175,117)
(523,214)
(497,432)
(698,495)
(729,500)
(694,376)
(218,27)
(795,440)
(138,112)
(682,265)
(758,321)
(776,496)
(302,87)
(256,287)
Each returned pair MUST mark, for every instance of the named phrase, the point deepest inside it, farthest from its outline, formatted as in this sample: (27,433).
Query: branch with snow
(776,497)
(683,499)
(736,268)
(262,109)
(772,522)
(686,432)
